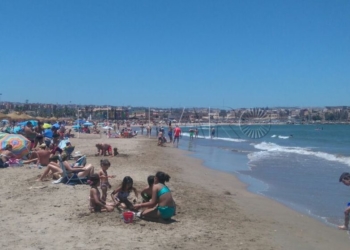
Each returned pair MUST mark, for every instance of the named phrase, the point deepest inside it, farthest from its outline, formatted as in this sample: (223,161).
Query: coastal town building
(185,115)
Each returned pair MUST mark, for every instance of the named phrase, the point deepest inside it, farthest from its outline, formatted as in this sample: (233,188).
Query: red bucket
(128,217)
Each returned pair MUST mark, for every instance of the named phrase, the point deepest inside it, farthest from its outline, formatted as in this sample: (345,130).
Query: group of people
(157,200)
(44,144)
(174,135)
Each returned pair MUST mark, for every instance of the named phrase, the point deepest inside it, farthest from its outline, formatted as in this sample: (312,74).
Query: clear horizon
(176,54)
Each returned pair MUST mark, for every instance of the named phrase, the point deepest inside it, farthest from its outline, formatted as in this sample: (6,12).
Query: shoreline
(214,208)
(291,229)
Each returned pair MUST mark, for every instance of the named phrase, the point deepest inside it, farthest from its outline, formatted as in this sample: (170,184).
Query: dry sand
(214,210)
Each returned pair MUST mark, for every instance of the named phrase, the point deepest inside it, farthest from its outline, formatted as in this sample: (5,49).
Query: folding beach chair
(80,162)
(70,177)
(69,151)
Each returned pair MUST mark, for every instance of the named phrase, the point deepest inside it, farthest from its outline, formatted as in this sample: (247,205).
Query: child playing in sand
(96,204)
(105,164)
(120,195)
(345,179)
(103,149)
(146,193)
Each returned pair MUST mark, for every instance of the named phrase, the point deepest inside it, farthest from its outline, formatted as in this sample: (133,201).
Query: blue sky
(176,53)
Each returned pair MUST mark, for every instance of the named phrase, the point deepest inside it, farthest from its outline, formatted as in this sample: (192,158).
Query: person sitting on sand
(121,194)
(102,149)
(345,179)
(162,204)
(146,193)
(6,155)
(83,171)
(41,156)
(96,204)
(160,139)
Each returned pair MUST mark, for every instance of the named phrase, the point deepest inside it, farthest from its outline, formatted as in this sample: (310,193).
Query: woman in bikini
(96,204)
(83,171)
(162,204)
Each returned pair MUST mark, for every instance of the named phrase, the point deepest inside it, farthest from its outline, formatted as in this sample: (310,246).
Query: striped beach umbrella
(20,144)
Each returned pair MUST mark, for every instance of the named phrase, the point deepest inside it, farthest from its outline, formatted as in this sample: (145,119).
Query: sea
(296,165)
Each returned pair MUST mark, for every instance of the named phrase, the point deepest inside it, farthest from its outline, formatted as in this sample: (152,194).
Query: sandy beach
(214,210)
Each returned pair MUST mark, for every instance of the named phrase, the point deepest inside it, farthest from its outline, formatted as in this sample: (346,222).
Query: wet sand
(214,210)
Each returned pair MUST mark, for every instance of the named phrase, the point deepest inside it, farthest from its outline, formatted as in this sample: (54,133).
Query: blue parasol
(56,125)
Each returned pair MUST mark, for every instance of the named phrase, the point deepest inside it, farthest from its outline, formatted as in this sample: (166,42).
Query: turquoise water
(300,171)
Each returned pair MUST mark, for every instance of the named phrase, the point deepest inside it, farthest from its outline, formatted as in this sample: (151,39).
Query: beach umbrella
(76,126)
(46,125)
(56,125)
(34,122)
(39,118)
(15,116)
(88,124)
(20,144)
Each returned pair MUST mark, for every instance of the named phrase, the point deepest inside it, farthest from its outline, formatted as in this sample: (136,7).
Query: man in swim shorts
(177,133)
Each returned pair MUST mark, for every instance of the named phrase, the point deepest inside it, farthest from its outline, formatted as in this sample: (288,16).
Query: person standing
(345,179)
(30,134)
(177,133)
(170,134)
(142,127)
(212,132)
(191,133)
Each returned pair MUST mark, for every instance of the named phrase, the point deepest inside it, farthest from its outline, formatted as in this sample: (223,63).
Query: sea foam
(273,148)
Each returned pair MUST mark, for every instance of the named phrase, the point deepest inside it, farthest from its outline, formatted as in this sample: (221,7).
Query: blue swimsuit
(165,211)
